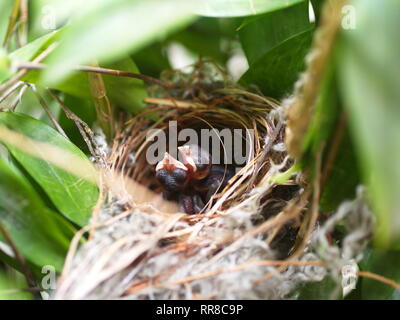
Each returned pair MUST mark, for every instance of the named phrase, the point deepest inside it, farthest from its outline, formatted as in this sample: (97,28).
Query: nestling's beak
(187,158)
(197,160)
(169,163)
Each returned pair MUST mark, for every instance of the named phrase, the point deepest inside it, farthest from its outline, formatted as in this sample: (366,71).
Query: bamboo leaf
(240,8)
(384,263)
(370,77)
(276,71)
(68,179)
(126,93)
(102,34)
(259,34)
(12,288)
(35,230)
(35,47)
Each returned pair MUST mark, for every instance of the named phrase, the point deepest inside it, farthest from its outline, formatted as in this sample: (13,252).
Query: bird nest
(241,245)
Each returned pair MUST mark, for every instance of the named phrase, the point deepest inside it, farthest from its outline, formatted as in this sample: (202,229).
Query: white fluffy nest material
(126,259)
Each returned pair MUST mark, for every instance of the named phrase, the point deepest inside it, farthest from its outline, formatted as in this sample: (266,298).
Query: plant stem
(25,270)
(12,23)
(95,69)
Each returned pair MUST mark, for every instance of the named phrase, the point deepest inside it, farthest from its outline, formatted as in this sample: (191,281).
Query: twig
(377,277)
(17,77)
(12,22)
(25,270)
(314,212)
(23,38)
(10,91)
(301,109)
(175,103)
(105,116)
(47,110)
(18,99)
(337,139)
(83,128)
(113,72)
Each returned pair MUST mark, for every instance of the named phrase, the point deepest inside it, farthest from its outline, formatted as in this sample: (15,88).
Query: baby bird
(192,180)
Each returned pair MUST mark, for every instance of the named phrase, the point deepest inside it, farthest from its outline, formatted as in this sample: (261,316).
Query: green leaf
(209,38)
(74,196)
(370,79)
(329,128)
(343,177)
(152,59)
(126,93)
(24,54)
(277,70)
(35,230)
(238,8)
(85,110)
(12,286)
(317,7)
(114,29)
(326,289)
(202,44)
(260,34)
(34,48)
(384,263)
(76,84)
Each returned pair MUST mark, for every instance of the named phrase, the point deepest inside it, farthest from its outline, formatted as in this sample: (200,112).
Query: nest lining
(235,249)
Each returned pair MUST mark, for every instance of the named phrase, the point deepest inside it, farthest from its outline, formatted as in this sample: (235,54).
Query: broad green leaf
(370,80)
(73,195)
(328,128)
(326,289)
(260,34)
(384,263)
(276,71)
(209,38)
(115,29)
(75,84)
(152,59)
(239,8)
(12,286)
(344,176)
(35,230)
(126,93)
(202,44)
